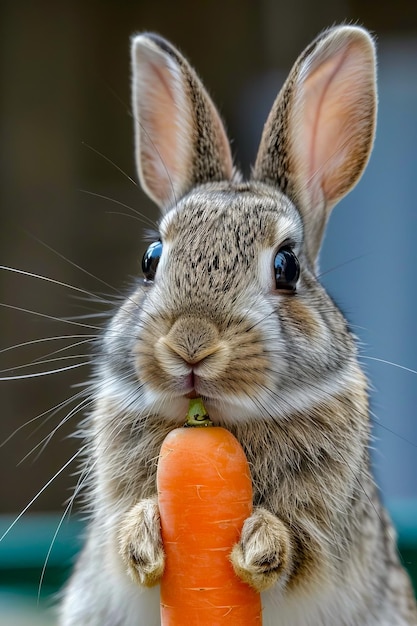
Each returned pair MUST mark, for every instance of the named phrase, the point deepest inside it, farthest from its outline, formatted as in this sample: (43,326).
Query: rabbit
(230,309)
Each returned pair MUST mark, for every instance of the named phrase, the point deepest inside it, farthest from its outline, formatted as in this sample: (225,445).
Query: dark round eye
(287,269)
(150,260)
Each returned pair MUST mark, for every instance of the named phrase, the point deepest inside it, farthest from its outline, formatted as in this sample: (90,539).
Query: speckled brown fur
(272,356)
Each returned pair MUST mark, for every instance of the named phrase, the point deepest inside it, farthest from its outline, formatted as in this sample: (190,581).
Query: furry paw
(141,544)
(262,555)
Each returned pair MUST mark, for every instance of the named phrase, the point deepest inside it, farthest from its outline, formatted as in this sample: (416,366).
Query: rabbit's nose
(192,338)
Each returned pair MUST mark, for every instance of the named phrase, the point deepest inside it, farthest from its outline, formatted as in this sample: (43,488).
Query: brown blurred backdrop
(65,87)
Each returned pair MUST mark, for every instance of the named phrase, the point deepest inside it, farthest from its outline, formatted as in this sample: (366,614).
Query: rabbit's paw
(263,553)
(141,544)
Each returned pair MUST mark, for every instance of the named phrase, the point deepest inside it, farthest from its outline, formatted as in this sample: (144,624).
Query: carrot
(205,494)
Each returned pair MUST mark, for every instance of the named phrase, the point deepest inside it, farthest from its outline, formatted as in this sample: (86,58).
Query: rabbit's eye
(287,270)
(150,260)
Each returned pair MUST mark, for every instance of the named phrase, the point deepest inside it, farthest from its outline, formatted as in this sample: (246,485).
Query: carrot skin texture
(205,495)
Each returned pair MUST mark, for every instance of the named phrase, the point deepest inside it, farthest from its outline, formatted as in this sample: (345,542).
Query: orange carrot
(205,494)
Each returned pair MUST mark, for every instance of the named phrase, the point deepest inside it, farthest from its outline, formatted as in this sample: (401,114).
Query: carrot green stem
(197,415)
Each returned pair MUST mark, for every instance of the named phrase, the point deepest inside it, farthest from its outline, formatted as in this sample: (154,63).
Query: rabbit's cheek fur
(223,363)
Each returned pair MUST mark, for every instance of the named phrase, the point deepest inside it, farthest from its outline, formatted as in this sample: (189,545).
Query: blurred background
(67,213)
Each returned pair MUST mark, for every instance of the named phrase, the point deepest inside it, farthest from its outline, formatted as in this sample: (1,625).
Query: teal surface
(35,558)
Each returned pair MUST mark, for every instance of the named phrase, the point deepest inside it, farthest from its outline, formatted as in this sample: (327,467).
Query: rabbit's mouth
(191,382)
(194,386)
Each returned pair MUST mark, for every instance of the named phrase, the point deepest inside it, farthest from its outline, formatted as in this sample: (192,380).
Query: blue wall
(378,292)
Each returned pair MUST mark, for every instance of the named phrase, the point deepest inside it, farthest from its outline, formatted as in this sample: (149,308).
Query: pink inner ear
(162,122)
(334,115)
(322,119)
(165,125)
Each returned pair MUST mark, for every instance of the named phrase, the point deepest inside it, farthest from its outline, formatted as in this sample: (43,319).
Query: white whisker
(42,361)
(53,411)
(49,317)
(82,479)
(48,339)
(38,374)
(143,217)
(106,158)
(44,442)
(50,280)
(401,367)
(40,492)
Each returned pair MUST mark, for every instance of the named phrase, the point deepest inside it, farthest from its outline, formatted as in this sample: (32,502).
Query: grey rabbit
(231,309)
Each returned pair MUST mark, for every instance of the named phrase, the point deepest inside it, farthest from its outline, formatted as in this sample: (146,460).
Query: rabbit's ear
(180,138)
(319,134)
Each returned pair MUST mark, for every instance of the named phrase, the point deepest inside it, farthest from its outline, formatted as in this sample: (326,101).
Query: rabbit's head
(230,308)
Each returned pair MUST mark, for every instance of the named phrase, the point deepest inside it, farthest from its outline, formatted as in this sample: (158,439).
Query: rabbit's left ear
(319,134)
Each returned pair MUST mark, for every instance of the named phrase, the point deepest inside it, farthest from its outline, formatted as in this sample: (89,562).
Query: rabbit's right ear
(319,134)
(180,139)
